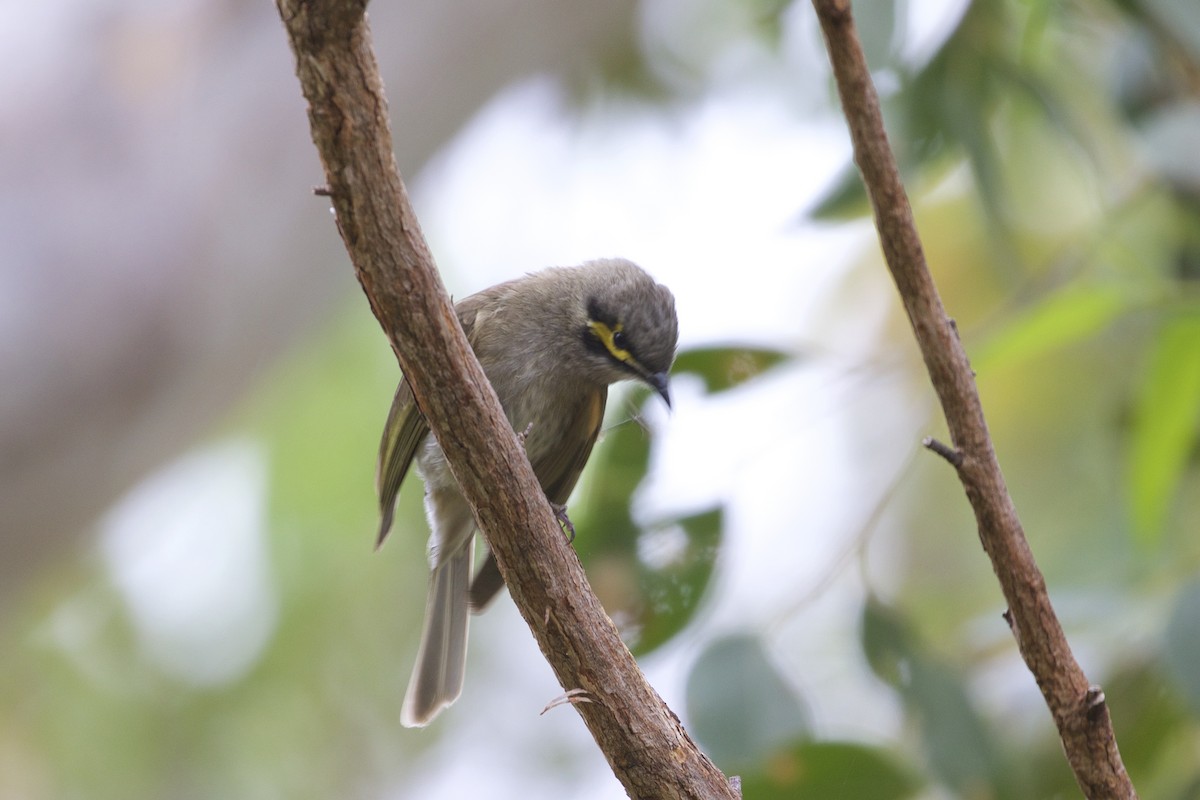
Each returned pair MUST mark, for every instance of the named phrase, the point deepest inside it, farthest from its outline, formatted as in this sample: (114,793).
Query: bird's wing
(405,431)
(558,471)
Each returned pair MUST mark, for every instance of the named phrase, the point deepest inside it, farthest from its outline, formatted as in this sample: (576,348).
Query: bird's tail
(437,677)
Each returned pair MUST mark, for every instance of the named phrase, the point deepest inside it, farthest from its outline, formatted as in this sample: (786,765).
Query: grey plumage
(550,343)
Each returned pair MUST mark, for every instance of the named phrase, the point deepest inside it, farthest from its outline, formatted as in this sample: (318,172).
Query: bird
(550,343)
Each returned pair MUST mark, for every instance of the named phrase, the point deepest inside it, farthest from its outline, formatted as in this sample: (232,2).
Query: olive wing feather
(405,431)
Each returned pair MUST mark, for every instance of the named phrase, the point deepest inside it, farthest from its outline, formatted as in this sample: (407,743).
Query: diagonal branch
(645,744)
(1079,710)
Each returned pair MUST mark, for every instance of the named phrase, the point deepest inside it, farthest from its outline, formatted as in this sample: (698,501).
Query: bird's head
(630,329)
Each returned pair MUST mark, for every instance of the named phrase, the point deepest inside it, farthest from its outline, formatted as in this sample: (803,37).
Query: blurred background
(192,389)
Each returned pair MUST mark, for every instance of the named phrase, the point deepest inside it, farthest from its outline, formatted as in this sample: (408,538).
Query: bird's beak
(661,383)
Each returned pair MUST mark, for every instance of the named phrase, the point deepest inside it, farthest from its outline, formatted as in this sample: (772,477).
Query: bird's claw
(523,435)
(560,513)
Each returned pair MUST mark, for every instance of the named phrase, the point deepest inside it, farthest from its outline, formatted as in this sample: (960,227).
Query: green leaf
(739,706)
(672,586)
(650,580)
(885,641)
(958,743)
(1183,644)
(723,368)
(1057,320)
(1164,425)
(1149,718)
(831,770)
(961,748)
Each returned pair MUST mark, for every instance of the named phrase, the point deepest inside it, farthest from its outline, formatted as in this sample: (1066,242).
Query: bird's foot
(560,513)
(523,435)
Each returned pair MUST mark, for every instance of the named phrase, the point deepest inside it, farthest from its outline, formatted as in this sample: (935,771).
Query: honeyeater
(550,344)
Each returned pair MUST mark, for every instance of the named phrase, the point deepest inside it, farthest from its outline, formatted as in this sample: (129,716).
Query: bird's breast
(562,427)
(557,417)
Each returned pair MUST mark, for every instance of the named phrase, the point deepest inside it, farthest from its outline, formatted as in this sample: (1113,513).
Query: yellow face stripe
(605,334)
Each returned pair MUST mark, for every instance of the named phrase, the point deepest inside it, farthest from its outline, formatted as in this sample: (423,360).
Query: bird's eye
(620,340)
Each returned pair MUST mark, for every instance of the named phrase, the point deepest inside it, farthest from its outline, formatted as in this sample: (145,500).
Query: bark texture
(644,742)
(1079,709)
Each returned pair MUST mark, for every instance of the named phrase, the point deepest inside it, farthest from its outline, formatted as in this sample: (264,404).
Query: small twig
(572,696)
(322,191)
(1096,701)
(944,450)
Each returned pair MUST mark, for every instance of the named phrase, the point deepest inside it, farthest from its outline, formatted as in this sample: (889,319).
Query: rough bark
(1079,709)
(644,742)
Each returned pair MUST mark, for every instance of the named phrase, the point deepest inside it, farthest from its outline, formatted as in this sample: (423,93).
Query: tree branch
(1078,709)
(644,742)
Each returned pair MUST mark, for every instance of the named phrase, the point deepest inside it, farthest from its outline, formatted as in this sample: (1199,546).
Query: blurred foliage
(830,769)
(943,108)
(649,580)
(1058,319)
(1015,83)
(739,704)
(1166,421)
(961,750)
(652,579)
(1183,644)
(101,718)
(1157,736)
(1070,265)
(723,368)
